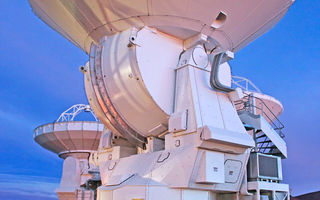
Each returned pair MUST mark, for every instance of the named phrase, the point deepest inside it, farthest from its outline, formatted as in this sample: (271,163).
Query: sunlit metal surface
(227,21)
(175,128)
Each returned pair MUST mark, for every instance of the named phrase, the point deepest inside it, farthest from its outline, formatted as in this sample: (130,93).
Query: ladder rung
(273,147)
(261,136)
(248,127)
(258,131)
(267,141)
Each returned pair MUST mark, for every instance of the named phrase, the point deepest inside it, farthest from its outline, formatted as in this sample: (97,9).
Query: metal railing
(253,104)
(244,83)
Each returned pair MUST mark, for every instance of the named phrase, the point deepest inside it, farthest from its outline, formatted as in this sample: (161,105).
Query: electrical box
(211,169)
(178,121)
(262,166)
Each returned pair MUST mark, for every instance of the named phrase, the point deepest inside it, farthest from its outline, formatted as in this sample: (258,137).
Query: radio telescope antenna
(172,126)
(73,141)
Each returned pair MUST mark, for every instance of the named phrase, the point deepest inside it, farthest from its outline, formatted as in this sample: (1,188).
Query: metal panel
(162,192)
(195,194)
(104,194)
(225,136)
(90,126)
(211,168)
(60,126)
(157,57)
(74,126)
(48,128)
(232,170)
(129,192)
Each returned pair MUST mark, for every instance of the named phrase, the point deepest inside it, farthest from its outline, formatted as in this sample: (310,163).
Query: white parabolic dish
(227,21)
(69,137)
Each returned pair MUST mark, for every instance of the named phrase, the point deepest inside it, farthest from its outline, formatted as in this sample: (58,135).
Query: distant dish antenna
(73,111)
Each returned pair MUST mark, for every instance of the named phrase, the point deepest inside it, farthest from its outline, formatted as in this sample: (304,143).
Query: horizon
(40,79)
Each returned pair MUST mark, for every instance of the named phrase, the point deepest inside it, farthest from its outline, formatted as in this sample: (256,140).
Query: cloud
(22,187)
(16,118)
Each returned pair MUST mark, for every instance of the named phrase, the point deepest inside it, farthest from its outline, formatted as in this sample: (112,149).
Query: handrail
(214,78)
(247,104)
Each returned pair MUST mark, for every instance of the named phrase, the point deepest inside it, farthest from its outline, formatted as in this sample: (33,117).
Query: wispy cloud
(15,118)
(28,187)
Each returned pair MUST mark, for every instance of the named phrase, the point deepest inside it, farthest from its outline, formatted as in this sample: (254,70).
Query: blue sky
(40,78)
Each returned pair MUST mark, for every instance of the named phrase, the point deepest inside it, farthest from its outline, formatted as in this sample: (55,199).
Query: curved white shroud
(135,84)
